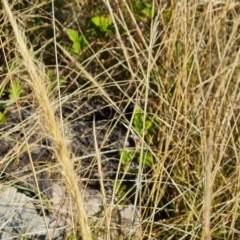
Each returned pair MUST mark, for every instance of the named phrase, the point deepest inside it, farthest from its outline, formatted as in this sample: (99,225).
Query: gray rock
(20,215)
(19,218)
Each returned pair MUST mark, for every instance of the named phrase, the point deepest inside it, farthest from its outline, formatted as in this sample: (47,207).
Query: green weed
(103,23)
(15,91)
(79,41)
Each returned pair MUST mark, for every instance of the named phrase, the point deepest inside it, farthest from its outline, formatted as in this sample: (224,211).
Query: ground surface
(157,78)
(111,137)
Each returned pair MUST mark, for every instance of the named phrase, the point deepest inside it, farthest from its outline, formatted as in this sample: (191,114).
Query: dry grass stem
(38,83)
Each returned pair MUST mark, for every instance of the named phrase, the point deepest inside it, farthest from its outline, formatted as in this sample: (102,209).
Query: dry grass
(50,124)
(183,65)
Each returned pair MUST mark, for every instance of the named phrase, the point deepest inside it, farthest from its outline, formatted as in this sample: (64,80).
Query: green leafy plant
(143,10)
(128,156)
(2,117)
(15,91)
(54,84)
(178,50)
(79,41)
(126,159)
(147,159)
(147,10)
(167,15)
(102,22)
(147,131)
(121,190)
(150,123)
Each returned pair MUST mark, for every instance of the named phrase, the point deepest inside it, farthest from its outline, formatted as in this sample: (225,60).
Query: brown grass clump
(179,63)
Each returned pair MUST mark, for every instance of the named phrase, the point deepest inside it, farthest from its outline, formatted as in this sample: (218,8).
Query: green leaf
(73,35)
(148,125)
(126,157)
(79,42)
(178,49)
(138,121)
(148,10)
(63,79)
(83,41)
(167,15)
(15,91)
(97,21)
(102,22)
(76,47)
(2,117)
(107,22)
(148,160)
(121,190)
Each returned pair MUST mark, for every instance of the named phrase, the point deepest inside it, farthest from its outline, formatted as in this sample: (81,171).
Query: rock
(20,216)
(124,219)
(20,219)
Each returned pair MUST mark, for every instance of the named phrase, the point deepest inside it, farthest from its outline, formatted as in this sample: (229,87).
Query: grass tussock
(178,65)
